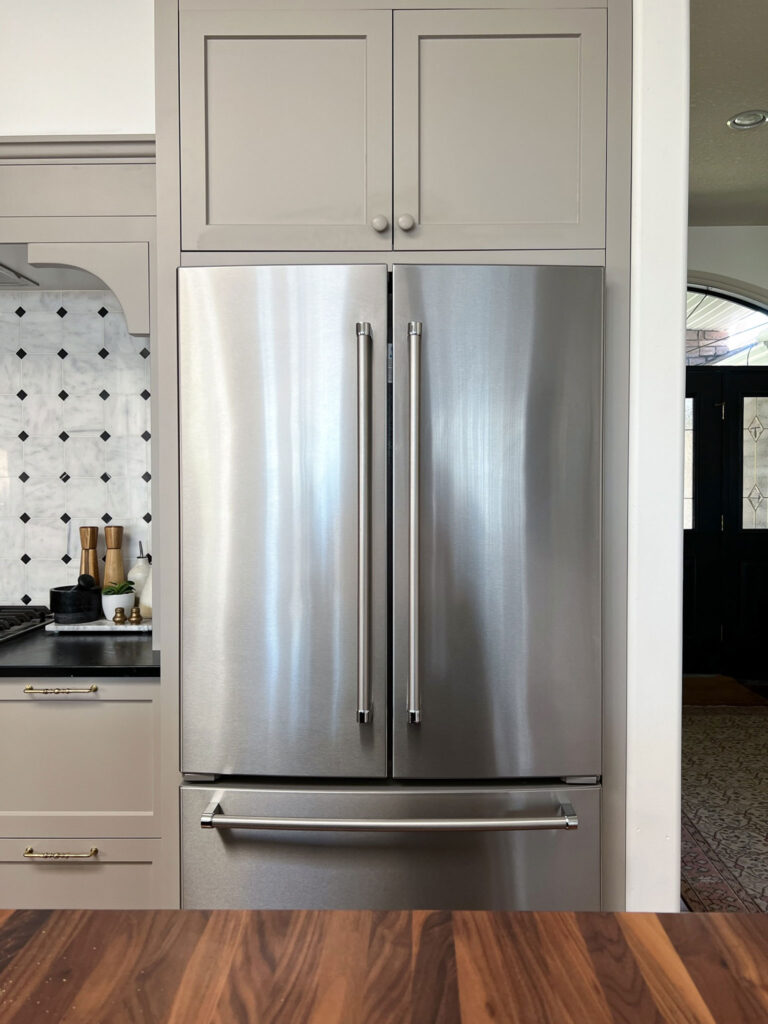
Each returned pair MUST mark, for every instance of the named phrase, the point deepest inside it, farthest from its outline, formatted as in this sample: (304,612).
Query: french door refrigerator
(391,674)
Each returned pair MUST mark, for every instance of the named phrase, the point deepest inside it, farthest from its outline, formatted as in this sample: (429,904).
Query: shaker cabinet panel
(286,130)
(499,129)
(83,761)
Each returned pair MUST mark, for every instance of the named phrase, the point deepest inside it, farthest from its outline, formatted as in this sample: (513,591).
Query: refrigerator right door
(496,518)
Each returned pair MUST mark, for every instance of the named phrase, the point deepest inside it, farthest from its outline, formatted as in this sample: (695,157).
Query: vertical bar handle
(364,522)
(414,693)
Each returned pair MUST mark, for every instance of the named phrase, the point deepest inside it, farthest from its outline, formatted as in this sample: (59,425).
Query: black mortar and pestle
(81,603)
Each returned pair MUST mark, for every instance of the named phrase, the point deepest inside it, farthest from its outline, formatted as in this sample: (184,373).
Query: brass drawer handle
(30,853)
(62,689)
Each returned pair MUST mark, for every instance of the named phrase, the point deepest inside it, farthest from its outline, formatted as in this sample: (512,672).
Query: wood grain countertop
(227,967)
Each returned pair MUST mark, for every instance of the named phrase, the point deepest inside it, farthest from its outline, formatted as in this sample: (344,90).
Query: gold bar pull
(62,689)
(30,853)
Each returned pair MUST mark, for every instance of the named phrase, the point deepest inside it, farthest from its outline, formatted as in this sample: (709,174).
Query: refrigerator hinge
(580,780)
(198,777)
(389,362)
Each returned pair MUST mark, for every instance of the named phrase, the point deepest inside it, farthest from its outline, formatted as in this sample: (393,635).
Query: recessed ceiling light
(747,119)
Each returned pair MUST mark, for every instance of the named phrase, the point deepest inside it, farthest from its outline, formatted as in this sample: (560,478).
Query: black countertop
(39,653)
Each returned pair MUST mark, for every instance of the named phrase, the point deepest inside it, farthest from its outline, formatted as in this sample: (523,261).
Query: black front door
(726,536)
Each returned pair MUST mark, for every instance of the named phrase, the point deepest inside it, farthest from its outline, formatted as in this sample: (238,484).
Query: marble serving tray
(97,626)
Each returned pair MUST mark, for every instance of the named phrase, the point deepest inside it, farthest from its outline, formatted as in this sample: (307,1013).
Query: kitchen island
(191,967)
(40,653)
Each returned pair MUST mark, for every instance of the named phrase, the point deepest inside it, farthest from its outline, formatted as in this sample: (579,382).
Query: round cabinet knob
(380,223)
(406,222)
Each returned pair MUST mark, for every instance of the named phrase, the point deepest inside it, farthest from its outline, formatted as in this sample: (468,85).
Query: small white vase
(111,602)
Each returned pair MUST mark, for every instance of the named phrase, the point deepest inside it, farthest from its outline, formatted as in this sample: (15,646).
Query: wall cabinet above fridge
(380,130)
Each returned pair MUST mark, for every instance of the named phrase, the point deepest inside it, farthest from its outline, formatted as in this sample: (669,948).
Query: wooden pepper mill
(114,571)
(89,561)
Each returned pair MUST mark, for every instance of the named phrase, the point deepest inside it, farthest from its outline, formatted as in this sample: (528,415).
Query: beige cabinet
(497,142)
(499,138)
(286,137)
(81,758)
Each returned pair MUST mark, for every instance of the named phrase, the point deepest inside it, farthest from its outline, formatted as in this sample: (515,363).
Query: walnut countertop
(329,967)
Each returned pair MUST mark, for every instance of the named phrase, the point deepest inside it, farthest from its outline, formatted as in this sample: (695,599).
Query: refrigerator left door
(283,378)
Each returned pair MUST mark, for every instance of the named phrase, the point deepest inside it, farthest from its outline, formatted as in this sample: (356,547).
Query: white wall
(77,67)
(657,390)
(738,253)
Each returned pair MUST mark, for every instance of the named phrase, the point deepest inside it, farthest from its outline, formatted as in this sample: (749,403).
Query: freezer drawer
(549,868)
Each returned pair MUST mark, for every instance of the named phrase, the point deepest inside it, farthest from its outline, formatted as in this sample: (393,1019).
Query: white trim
(657,389)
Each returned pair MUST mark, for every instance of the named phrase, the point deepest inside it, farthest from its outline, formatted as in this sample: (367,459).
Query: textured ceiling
(729,73)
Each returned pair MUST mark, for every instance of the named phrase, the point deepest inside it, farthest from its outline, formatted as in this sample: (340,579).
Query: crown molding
(40,149)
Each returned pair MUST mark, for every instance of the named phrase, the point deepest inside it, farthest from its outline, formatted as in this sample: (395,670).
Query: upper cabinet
(497,139)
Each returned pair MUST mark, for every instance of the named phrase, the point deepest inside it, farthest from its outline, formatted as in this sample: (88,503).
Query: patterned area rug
(725,808)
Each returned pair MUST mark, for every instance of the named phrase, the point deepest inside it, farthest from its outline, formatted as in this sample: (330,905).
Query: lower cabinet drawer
(120,875)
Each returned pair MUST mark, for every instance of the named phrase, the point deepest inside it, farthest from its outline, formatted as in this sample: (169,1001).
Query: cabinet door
(84,761)
(499,129)
(286,130)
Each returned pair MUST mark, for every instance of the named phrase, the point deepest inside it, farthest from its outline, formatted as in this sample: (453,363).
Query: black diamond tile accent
(20,353)
(64,477)
(144,353)
(105,435)
(25,558)
(107,518)
(26,599)
(61,312)
(146,477)
(102,312)
(104,395)
(23,435)
(63,436)
(65,518)
(66,559)
(23,477)
(146,435)
(62,353)
(21,394)
(105,477)
(24,517)
(147,517)
(20,311)
(103,353)
(145,394)
(63,396)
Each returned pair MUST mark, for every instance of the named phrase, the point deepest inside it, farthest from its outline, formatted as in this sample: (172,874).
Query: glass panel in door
(754,512)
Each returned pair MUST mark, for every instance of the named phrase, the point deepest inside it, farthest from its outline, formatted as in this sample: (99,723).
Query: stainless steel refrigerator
(391,678)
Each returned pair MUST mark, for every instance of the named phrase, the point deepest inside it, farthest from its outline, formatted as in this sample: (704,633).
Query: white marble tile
(10,414)
(86,496)
(128,456)
(45,538)
(41,414)
(84,456)
(126,415)
(83,412)
(10,370)
(12,581)
(42,575)
(41,335)
(116,333)
(10,497)
(42,497)
(9,334)
(41,374)
(88,373)
(33,300)
(11,536)
(43,456)
(11,462)
(85,301)
(127,498)
(82,334)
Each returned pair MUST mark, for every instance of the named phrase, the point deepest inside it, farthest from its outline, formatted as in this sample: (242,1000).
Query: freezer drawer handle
(414,694)
(93,688)
(30,853)
(364,521)
(566,818)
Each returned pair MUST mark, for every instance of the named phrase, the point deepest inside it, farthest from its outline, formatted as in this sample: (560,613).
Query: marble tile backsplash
(75,435)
